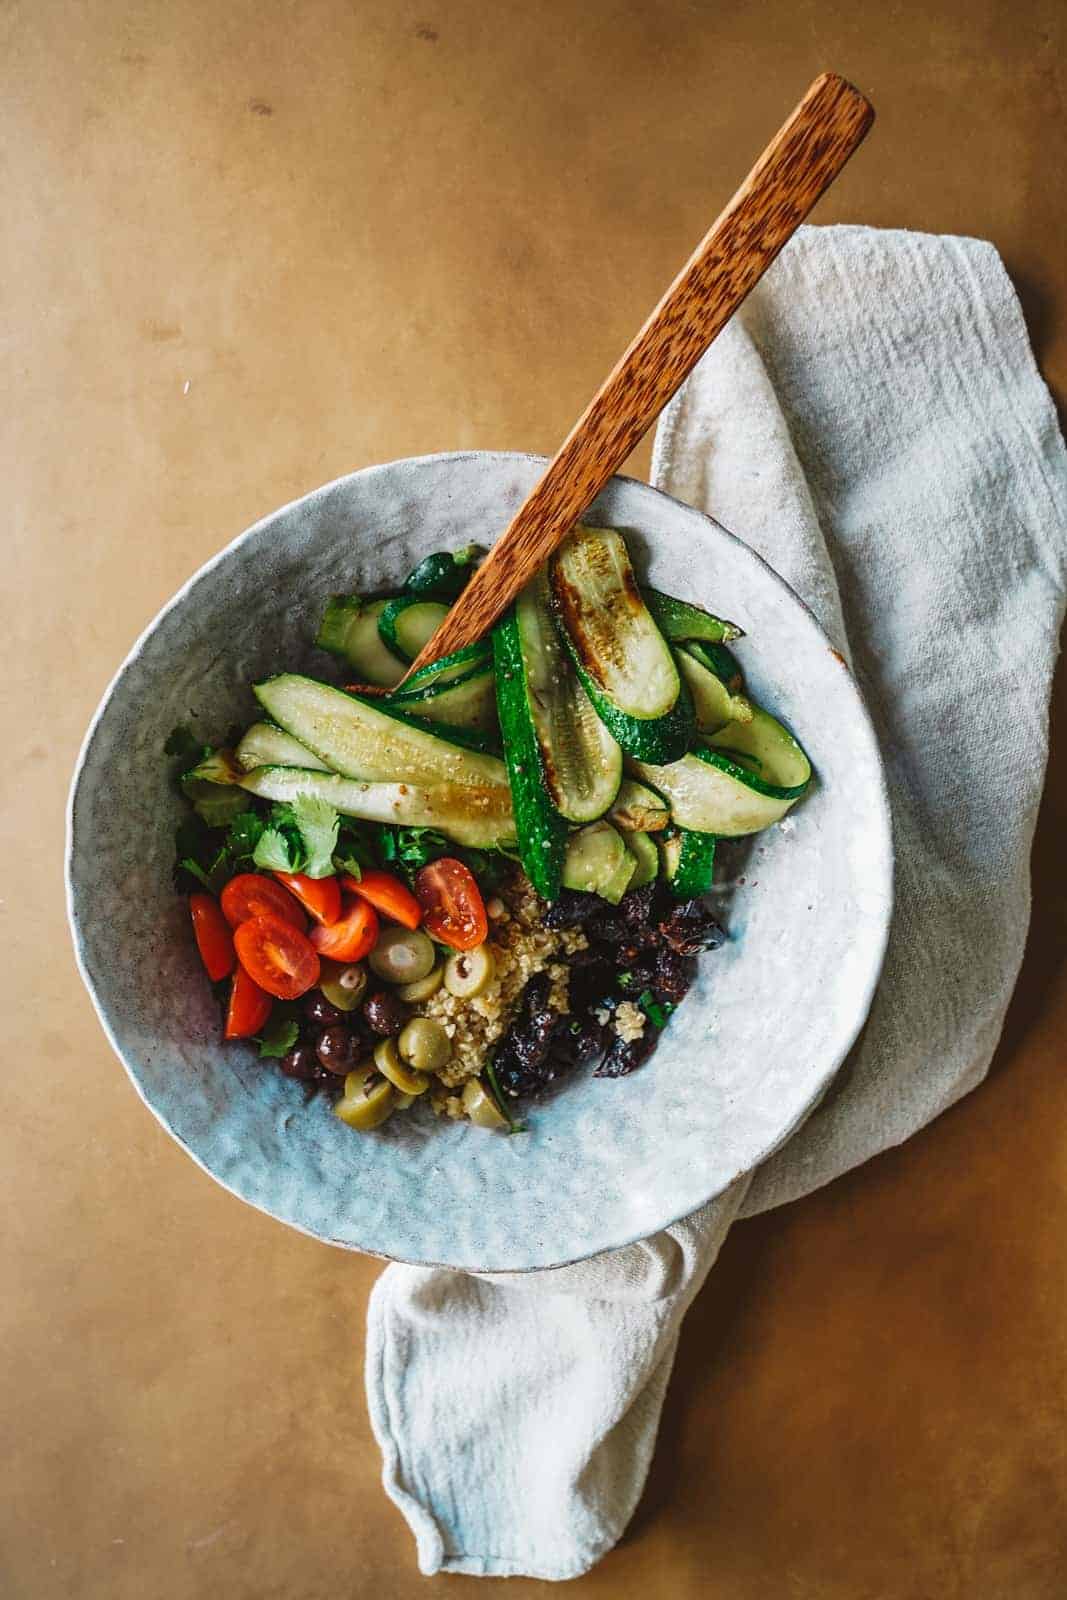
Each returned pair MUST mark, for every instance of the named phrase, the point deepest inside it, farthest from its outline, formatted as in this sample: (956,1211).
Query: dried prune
(642,905)
(690,927)
(642,946)
(571,909)
(629,955)
(636,977)
(626,1055)
(523,1062)
(609,926)
(588,983)
(672,976)
(523,1065)
(585,957)
(584,1039)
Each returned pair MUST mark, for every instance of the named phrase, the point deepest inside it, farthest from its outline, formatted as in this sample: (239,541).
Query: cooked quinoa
(521,946)
(629,1021)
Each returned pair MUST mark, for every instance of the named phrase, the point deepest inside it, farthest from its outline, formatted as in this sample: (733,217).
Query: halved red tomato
(387,895)
(352,936)
(320,897)
(251,894)
(453,911)
(213,937)
(278,956)
(249,1007)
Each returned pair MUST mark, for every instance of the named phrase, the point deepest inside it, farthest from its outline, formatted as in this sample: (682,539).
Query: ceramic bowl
(744,1059)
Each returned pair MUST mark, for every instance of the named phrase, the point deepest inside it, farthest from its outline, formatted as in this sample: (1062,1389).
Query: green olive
(402,955)
(389,1064)
(344,986)
(422,988)
(468,972)
(424,1044)
(401,1102)
(368,1100)
(480,1106)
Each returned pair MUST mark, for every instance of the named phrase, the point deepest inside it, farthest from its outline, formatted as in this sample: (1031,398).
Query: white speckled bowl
(748,1054)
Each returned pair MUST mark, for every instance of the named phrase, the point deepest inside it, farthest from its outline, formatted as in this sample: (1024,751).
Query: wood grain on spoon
(798,165)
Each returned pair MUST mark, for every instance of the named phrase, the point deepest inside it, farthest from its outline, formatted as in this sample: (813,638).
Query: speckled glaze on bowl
(747,1055)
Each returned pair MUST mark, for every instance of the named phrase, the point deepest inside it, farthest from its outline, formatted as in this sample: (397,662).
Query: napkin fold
(873,423)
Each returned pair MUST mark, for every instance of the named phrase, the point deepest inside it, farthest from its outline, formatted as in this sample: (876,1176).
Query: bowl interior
(602,1163)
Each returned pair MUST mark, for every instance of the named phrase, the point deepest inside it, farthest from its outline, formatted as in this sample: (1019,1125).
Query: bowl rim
(885,856)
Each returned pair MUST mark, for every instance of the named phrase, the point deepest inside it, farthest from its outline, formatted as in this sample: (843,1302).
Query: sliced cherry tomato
(213,937)
(251,894)
(249,1007)
(352,936)
(452,907)
(387,895)
(321,897)
(278,956)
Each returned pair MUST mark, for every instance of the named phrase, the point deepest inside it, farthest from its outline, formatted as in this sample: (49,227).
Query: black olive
(321,1011)
(336,1050)
(301,1062)
(385,1013)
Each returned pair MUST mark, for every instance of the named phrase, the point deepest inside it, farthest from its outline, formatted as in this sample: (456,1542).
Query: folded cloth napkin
(874,425)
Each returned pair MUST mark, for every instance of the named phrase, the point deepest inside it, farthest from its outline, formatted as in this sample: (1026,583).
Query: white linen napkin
(872,423)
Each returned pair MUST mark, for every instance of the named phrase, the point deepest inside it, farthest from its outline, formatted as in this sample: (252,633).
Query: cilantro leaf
(410,848)
(193,851)
(245,832)
(194,869)
(655,1013)
(279,1036)
(419,845)
(280,847)
(353,850)
(208,867)
(275,852)
(318,823)
(385,843)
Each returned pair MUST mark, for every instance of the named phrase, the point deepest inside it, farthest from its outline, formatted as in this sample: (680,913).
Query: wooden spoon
(801,161)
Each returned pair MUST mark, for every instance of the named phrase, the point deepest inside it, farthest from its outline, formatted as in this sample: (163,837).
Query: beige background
(361,230)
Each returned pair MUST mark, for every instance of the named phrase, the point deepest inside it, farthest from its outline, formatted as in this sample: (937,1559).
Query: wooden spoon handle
(801,161)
